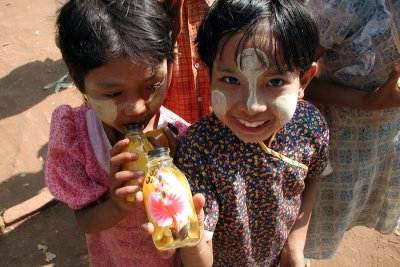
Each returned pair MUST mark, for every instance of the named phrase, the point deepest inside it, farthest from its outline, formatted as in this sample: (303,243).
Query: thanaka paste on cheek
(286,106)
(106,110)
(133,107)
(218,102)
(158,98)
(251,67)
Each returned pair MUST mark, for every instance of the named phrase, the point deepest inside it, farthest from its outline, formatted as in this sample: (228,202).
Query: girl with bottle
(119,55)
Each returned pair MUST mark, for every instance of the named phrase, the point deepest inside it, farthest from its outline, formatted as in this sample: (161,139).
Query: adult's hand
(388,95)
(174,8)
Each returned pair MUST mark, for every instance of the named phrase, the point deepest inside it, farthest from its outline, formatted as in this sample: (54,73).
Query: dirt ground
(29,60)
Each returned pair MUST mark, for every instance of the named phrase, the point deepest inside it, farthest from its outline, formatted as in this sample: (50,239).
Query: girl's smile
(251,124)
(252,128)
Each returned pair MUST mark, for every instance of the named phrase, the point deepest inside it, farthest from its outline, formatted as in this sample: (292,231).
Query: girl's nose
(254,106)
(134,108)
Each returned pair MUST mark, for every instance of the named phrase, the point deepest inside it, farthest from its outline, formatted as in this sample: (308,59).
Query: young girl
(117,53)
(258,156)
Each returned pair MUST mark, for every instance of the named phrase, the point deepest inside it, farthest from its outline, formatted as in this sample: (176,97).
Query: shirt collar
(209,2)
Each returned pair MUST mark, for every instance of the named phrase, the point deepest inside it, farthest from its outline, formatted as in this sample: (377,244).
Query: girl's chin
(253,139)
(255,134)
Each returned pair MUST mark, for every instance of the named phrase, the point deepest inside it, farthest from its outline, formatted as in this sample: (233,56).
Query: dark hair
(90,33)
(286,26)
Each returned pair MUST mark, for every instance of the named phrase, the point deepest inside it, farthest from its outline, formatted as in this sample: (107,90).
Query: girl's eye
(155,86)
(111,95)
(275,82)
(230,80)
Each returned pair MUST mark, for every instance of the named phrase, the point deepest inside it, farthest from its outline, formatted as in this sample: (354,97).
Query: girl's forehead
(132,66)
(127,66)
(120,72)
(238,47)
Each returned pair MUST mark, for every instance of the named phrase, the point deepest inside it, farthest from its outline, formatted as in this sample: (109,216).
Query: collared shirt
(189,93)
(252,196)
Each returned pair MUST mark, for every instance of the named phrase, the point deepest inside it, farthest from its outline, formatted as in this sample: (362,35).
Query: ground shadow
(22,88)
(22,186)
(53,227)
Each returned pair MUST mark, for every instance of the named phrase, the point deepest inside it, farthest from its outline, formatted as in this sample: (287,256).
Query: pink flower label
(169,205)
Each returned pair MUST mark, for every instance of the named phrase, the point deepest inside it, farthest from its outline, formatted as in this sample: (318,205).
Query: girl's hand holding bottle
(194,248)
(119,191)
(128,165)
(139,173)
(168,202)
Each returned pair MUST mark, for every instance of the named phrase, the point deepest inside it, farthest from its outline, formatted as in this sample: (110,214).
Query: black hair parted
(284,28)
(90,33)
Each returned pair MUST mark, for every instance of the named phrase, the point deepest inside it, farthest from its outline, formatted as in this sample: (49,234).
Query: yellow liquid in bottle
(140,146)
(169,207)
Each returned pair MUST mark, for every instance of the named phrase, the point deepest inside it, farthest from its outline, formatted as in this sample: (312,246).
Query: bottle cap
(158,152)
(133,126)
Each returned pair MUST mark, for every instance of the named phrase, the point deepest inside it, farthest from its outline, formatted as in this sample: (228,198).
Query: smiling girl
(257,158)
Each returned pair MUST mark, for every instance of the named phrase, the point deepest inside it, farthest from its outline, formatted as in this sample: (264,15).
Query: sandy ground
(29,60)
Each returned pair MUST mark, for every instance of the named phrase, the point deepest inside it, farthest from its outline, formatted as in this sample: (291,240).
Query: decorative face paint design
(251,67)
(218,102)
(106,110)
(244,86)
(122,92)
(286,106)
(156,99)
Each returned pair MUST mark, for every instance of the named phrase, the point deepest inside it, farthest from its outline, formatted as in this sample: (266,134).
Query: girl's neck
(113,135)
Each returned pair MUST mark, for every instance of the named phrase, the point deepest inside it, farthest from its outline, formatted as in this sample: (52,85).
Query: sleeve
(194,165)
(319,163)
(65,172)
(167,116)
(334,19)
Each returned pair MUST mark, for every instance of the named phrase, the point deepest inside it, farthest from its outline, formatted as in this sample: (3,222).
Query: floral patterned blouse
(252,197)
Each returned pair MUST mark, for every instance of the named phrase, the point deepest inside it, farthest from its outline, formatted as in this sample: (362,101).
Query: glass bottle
(168,201)
(139,145)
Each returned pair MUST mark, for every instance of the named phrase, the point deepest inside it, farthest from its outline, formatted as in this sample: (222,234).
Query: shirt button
(199,99)
(196,65)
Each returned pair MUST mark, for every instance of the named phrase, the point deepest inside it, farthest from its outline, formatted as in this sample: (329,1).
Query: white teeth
(251,124)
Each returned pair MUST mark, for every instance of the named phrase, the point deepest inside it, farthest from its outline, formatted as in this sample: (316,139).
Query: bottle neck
(159,161)
(134,129)
(159,155)
(134,133)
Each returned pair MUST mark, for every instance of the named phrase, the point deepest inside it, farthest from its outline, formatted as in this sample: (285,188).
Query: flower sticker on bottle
(169,205)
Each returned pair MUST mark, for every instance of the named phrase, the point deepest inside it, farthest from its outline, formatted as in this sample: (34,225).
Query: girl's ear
(73,77)
(306,78)
(170,66)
